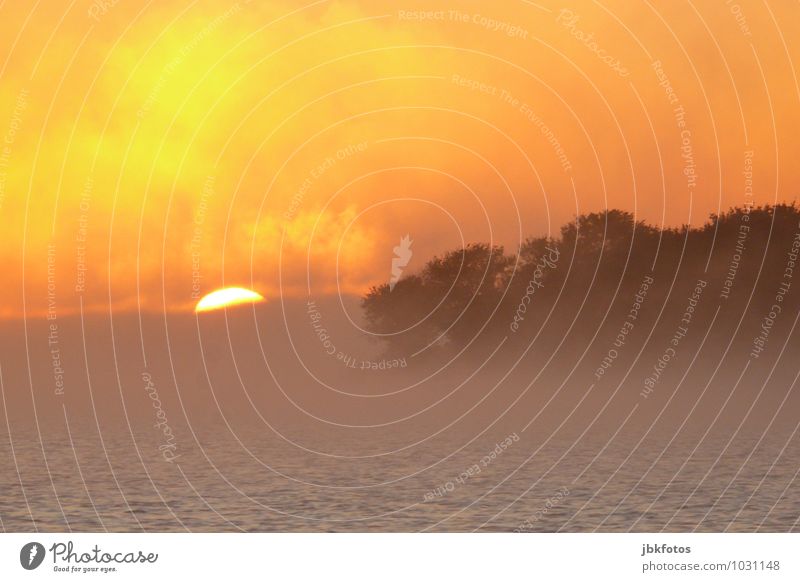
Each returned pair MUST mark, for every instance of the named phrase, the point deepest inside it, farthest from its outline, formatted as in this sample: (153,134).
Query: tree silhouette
(470,295)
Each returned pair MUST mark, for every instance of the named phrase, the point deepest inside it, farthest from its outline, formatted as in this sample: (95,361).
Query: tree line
(576,289)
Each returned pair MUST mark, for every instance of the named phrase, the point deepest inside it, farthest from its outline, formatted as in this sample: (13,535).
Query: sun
(227,297)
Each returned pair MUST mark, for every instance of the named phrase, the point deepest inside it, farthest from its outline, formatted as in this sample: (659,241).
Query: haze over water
(430,265)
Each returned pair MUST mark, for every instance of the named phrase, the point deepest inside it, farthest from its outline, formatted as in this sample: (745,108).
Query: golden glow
(144,149)
(227,297)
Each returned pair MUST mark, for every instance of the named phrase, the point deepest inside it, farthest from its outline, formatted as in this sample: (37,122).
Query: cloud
(288,147)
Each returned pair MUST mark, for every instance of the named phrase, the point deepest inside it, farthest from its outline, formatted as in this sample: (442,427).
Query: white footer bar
(379,557)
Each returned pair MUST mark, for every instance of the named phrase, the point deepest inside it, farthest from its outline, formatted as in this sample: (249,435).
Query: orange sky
(151,154)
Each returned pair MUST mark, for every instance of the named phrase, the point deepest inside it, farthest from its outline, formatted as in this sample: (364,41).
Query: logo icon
(31,555)
(400,260)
